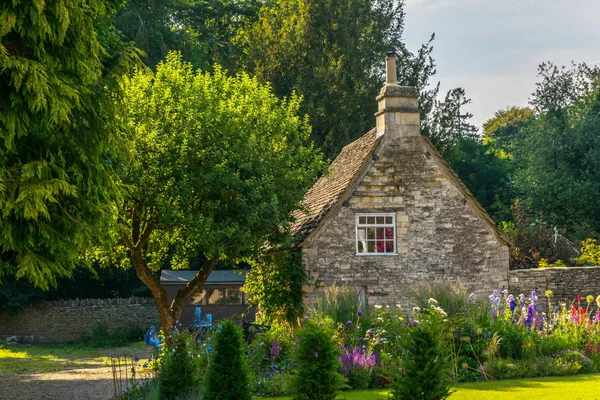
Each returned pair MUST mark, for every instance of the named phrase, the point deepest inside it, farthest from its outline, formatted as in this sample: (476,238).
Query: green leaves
(57,126)
(217,165)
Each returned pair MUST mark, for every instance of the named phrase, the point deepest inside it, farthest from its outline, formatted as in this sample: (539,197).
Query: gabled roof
(332,189)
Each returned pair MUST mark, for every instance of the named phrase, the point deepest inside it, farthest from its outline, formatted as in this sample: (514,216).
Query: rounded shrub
(316,376)
(227,377)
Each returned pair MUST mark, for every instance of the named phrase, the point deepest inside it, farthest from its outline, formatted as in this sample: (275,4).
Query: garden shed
(221,295)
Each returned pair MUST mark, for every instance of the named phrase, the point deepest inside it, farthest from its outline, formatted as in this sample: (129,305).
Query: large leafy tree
(59,62)
(217,165)
(558,157)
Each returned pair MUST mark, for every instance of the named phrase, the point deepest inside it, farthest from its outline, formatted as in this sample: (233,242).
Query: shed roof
(218,276)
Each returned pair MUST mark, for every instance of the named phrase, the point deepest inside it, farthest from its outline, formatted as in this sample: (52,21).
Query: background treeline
(533,168)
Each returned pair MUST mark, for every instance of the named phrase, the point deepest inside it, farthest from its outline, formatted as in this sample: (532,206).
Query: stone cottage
(391,214)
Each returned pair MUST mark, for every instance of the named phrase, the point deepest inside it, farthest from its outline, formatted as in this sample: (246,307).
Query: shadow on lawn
(532,383)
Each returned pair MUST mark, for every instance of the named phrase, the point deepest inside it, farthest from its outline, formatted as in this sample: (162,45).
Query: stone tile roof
(327,192)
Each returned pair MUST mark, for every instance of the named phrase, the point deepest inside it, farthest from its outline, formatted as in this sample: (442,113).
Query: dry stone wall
(67,320)
(565,283)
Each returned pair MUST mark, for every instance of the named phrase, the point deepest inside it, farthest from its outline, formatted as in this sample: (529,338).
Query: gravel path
(75,384)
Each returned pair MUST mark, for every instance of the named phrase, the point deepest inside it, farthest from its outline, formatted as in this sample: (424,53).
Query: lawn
(39,358)
(579,387)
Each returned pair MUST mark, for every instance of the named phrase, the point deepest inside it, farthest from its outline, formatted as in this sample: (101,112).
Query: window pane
(362,233)
(362,246)
(389,246)
(389,233)
(388,220)
(380,220)
(379,246)
(371,233)
(199,297)
(362,220)
(233,296)
(216,297)
(370,220)
(371,247)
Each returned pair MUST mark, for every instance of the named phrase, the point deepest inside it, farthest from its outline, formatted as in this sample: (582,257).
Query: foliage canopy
(217,165)
(59,67)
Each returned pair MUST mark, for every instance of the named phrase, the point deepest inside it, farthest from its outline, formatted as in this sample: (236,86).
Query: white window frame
(366,225)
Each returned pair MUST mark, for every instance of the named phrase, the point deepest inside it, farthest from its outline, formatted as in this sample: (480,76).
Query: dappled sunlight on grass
(42,358)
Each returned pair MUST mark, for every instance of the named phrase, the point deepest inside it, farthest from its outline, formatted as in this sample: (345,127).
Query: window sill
(376,254)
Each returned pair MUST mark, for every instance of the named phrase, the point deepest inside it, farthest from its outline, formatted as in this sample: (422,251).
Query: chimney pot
(390,69)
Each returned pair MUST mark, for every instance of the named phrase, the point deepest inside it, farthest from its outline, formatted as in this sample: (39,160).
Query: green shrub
(590,253)
(228,372)
(426,368)
(316,376)
(179,373)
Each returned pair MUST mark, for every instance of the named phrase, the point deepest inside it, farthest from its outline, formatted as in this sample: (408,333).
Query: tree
(60,64)
(486,174)
(217,165)
(447,124)
(503,131)
(204,31)
(558,157)
(330,52)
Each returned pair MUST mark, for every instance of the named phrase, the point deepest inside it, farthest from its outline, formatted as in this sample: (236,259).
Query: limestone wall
(66,320)
(565,283)
(441,237)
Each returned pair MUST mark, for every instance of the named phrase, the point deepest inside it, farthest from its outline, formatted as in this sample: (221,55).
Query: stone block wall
(67,320)
(565,283)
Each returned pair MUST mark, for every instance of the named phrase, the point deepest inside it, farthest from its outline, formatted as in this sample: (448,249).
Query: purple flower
(359,313)
(415,323)
(274,350)
(348,324)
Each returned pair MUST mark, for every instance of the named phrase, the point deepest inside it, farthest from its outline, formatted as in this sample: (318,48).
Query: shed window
(199,298)
(233,296)
(375,234)
(216,297)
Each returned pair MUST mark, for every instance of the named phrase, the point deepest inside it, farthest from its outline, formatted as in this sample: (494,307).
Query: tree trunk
(158,291)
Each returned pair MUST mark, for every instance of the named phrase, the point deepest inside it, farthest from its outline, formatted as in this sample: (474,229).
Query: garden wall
(67,320)
(565,283)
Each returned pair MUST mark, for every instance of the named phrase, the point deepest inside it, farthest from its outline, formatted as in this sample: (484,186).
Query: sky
(492,48)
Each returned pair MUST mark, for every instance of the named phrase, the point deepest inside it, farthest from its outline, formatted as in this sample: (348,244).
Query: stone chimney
(398,106)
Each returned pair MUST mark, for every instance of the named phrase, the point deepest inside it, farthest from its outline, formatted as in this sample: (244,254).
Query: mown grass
(579,387)
(40,358)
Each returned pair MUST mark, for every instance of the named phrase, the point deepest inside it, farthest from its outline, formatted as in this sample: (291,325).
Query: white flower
(377,306)
(399,307)
(416,309)
(432,301)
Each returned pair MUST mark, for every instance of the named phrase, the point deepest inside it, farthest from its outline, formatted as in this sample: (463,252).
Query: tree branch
(183,295)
